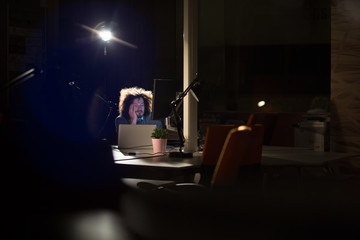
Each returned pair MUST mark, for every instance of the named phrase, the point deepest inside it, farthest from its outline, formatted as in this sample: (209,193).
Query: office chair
(242,147)
(250,119)
(214,141)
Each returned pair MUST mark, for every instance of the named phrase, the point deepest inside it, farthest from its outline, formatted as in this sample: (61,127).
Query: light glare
(105,35)
(111,38)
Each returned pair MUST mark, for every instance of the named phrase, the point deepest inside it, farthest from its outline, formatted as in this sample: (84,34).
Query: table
(289,168)
(144,164)
(298,156)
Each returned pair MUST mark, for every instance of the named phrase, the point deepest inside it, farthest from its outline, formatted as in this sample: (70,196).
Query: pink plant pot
(159,145)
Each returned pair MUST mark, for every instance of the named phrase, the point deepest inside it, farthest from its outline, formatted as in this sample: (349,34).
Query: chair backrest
(243,146)
(250,119)
(214,141)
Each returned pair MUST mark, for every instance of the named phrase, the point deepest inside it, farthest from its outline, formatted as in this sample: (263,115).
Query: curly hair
(127,96)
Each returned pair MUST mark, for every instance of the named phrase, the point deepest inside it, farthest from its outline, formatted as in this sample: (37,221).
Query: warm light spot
(243,127)
(261,103)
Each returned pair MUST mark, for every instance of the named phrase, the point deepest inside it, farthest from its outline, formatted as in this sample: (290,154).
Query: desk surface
(144,157)
(142,163)
(296,156)
(271,156)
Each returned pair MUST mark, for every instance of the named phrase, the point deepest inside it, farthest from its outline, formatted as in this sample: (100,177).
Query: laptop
(134,136)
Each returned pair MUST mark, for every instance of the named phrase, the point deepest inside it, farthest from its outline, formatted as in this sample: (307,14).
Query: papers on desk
(153,163)
(119,156)
(144,157)
(130,154)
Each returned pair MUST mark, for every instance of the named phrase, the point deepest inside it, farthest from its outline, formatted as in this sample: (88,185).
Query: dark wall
(277,51)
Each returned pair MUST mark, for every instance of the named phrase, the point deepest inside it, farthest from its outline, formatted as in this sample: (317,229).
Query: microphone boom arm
(174,105)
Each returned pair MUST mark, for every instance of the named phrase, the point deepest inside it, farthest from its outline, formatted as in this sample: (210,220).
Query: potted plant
(159,140)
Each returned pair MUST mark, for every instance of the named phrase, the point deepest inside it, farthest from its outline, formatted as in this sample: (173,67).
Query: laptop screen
(133,136)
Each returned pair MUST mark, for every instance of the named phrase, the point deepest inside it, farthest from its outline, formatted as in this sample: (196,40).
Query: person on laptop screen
(135,107)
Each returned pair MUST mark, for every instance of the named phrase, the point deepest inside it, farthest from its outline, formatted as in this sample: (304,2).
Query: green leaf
(159,133)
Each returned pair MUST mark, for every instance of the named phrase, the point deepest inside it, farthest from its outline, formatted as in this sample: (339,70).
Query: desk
(145,165)
(297,156)
(293,168)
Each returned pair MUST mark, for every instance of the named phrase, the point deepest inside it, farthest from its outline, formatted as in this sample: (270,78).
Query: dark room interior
(288,66)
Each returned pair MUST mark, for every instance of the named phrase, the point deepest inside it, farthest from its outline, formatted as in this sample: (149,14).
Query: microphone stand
(174,105)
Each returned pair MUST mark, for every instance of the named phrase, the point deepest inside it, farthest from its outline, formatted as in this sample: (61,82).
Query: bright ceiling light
(105,35)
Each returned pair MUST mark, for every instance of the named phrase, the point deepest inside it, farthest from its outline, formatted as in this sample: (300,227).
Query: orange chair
(250,119)
(242,147)
(214,141)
